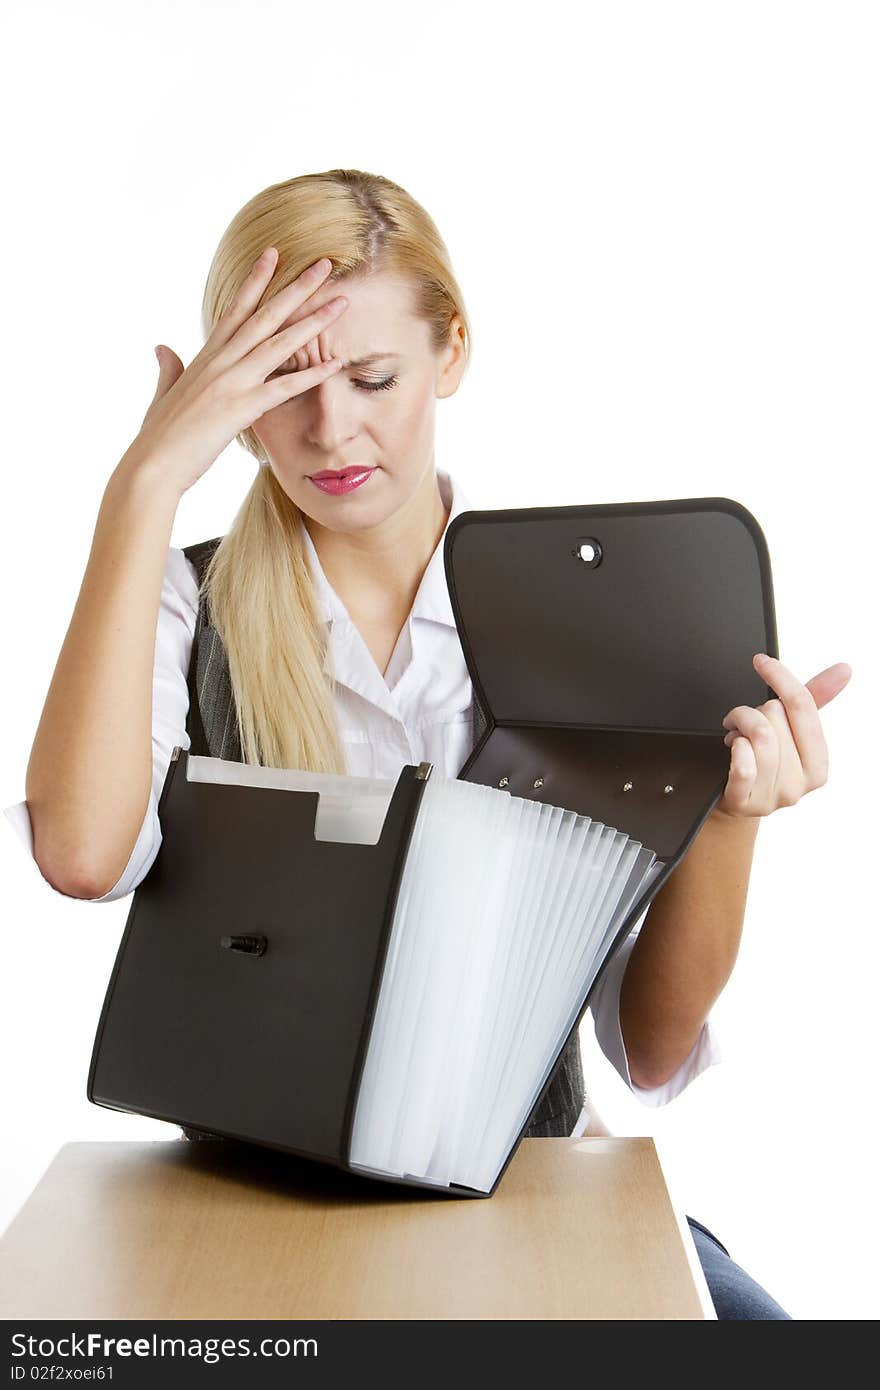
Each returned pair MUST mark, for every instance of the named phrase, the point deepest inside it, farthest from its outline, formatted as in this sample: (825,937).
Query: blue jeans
(734,1293)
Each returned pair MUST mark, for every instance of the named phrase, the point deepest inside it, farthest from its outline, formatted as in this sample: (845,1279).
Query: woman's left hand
(778,750)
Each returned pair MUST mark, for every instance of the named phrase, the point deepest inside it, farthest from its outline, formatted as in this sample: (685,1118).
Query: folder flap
(655,629)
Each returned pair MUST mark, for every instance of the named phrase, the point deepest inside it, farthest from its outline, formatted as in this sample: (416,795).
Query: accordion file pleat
(383,974)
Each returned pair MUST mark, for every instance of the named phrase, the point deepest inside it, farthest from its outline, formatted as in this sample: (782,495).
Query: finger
(762,736)
(793,774)
(245,299)
(272,354)
(170,368)
(302,357)
(282,388)
(823,687)
(318,348)
(829,683)
(742,779)
(308,352)
(254,326)
(313,351)
(802,715)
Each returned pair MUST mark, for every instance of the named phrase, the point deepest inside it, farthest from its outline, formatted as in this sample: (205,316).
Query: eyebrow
(369,359)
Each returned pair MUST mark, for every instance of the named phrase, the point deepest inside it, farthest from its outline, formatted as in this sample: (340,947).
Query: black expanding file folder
(383,975)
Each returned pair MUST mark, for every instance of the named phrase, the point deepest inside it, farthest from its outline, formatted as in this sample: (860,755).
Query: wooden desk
(578,1228)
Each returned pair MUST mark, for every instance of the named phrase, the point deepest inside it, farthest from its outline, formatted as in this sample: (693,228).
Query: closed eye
(386,385)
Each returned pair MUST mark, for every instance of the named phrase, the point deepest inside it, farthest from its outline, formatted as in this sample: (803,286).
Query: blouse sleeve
(175,630)
(605,1008)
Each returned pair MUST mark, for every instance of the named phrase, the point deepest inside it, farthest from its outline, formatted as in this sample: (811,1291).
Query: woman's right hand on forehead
(198,410)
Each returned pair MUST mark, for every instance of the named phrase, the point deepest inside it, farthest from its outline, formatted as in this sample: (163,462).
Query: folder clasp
(251,945)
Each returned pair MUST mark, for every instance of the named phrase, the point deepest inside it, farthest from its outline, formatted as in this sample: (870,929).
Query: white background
(665,221)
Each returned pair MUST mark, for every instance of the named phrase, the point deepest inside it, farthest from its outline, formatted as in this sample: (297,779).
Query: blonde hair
(258,583)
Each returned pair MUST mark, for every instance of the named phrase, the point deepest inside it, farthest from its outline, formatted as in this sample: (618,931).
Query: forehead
(379,316)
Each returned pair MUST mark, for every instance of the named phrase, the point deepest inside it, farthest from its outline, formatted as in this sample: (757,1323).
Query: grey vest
(213,730)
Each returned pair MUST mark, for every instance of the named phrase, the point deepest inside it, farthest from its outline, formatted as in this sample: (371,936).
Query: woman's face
(378,415)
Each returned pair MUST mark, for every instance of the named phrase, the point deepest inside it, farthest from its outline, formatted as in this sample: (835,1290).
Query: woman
(317,633)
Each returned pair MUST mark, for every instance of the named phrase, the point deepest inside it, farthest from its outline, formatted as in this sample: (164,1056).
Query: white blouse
(419,711)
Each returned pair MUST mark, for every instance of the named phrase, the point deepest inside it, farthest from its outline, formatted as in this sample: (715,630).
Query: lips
(332,473)
(341,483)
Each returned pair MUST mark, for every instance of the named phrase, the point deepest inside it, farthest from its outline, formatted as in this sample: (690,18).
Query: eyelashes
(386,385)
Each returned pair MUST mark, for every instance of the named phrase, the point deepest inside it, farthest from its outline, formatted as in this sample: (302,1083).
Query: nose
(332,415)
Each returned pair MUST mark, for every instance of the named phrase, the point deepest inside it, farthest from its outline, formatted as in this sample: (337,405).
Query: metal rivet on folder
(538,782)
(627,786)
(668,788)
(504,781)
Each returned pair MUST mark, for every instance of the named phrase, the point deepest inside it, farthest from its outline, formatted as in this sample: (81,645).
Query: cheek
(412,415)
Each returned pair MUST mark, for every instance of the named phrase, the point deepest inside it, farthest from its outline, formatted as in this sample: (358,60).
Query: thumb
(170,368)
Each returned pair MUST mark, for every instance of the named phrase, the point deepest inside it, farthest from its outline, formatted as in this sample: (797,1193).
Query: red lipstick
(336,482)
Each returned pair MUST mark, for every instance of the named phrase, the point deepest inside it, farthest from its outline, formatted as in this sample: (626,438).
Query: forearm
(686,948)
(89,775)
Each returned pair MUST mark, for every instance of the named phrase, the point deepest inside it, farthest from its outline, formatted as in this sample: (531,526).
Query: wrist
(147,475)
(729,824)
